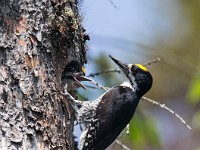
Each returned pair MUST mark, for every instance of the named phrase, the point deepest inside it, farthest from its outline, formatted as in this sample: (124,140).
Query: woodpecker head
(73,74)
(136,73)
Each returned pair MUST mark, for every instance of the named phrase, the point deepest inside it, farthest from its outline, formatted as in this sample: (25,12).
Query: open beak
(79,78)
(123,66)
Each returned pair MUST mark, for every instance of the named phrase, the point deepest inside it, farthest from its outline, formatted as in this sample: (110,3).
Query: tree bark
(37,40)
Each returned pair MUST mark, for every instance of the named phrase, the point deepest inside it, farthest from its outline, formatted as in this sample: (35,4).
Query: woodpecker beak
(123,66)
(79,78)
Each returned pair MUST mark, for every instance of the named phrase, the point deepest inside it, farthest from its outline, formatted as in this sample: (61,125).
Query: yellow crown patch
(141,67)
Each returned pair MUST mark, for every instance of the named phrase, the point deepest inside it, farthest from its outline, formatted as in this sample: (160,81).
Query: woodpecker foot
(68,96)
(75,103)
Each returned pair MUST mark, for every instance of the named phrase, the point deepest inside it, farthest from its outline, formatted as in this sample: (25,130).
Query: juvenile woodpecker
(72,75)
(106,117)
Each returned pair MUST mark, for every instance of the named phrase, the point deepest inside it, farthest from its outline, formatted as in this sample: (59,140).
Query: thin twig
(92,87)
(104,71)
(98,85)
(168,109)
(115,6)
(155,60)
(124,147)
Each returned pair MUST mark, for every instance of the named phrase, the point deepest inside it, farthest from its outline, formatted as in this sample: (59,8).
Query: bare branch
(168,109)
(155,60)
(114,5)
(104,71)
(98,85)
(92,87)
(123,147)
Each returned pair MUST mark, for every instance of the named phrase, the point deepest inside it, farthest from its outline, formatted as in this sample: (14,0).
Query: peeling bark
(37,40)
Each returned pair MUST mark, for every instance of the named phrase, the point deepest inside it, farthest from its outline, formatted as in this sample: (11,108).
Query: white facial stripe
(130,66)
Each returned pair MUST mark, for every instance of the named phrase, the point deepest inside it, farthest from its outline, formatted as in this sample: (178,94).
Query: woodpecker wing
(114,112)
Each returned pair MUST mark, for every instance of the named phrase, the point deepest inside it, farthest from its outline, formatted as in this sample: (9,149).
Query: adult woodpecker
(106,117)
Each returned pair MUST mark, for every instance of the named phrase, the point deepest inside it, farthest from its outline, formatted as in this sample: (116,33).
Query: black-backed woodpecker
(106,117)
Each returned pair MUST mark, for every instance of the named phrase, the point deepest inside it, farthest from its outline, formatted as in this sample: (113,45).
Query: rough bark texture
(37,40)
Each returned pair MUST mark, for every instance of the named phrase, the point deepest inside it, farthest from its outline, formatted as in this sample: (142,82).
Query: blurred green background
(135,32)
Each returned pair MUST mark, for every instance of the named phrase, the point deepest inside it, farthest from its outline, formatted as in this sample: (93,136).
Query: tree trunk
(37,40)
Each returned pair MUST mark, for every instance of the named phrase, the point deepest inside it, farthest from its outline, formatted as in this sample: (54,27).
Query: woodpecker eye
(134,69)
